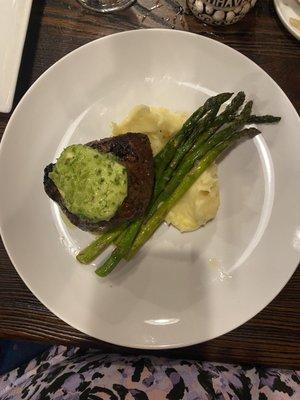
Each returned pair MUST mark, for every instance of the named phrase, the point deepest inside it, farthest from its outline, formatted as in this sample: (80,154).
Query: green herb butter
(92,184)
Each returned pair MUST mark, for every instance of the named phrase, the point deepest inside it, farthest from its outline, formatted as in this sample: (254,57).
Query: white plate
(14,16)
(287,9)
(180,289)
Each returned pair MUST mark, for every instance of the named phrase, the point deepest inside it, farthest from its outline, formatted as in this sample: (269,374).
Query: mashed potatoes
(159,124)
(200,203)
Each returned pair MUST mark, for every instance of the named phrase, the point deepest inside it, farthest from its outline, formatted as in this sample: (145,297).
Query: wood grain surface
(60,26)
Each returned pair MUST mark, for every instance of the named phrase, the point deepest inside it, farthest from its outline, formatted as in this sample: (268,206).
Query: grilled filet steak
(134,152)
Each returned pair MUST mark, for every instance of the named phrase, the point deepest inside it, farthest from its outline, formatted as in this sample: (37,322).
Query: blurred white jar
(220,12)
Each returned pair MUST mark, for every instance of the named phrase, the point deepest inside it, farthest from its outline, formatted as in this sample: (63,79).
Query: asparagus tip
(264,119)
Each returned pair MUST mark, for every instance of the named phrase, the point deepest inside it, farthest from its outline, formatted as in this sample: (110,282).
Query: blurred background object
(14,17)
(288,12)
(105,6)
(220,12)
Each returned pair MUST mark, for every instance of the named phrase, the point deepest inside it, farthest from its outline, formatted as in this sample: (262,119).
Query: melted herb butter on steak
(92,184)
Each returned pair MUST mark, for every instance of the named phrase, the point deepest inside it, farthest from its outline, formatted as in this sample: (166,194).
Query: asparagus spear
(221,119)
(92,251)
(199,152)
(163,158)
(185,147)
(153,223)
(113,260)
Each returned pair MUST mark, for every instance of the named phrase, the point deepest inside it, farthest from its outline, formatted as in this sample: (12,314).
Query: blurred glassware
(105,6)
(220,12)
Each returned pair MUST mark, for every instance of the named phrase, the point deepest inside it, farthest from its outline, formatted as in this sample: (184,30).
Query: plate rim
(2,144)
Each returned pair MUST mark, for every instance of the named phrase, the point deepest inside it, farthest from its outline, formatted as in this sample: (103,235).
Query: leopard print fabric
(75,374)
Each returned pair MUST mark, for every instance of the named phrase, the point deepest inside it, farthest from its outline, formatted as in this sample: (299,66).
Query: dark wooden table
(60,26)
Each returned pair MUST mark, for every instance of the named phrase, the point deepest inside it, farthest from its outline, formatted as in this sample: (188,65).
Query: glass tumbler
(105,6)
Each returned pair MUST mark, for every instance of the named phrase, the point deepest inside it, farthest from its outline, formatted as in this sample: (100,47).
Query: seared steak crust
(134,152)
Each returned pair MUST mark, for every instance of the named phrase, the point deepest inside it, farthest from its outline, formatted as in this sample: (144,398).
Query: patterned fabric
(73,373)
